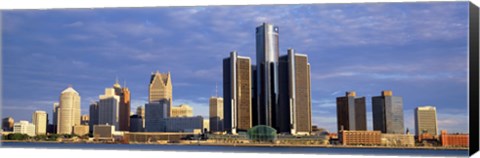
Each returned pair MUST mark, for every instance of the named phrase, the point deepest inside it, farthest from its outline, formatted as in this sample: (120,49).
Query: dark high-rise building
(136,123)
(237,93)
(293,112)
(254,97)
(56,107)
(351,113)
(7,124)
(123,107)
(155,115)
(388,113)
(279,88)
(267,73)
(93,112)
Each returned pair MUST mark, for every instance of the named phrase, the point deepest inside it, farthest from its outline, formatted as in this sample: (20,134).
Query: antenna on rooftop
(216,89)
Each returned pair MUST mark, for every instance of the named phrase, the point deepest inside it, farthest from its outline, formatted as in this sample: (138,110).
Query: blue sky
(418,50)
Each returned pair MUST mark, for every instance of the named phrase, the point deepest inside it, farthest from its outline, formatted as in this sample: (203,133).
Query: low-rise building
(24,127)
(455,140)
(103,132)
(136,123)
(398,140)
(360,137)
(184,124)
(155,137)
(7,124)
(80,130)
(183,110)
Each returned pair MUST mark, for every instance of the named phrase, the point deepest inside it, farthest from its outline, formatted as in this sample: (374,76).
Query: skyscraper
(237,93)
(155,115)
(108,108)
(254,97)
(293,111)
(160,90)
(39,119)
(216,114)
(426,120)
(267,73)
(388,113)
(56,106)
(7,124)
(68,111)
(351,113)
(94,111)
(123,106)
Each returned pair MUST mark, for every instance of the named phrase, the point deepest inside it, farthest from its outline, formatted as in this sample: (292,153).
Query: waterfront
(240,149)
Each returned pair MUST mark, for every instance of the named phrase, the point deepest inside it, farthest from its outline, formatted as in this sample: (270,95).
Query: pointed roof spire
(69,89)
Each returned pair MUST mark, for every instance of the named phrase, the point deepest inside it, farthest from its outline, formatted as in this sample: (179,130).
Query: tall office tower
(69,111)
(293,111)
(7,124)
(160,90)
(183,110)
(351,113)
(388,113)
(123,106)
(39,119)
(254,97)
(426,120)
(216,114)
(56,106)
(108,108)
(267,73)
(93,112)
(237,93)
(155,115)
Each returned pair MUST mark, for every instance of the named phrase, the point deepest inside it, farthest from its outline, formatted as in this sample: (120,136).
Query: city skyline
(412,61)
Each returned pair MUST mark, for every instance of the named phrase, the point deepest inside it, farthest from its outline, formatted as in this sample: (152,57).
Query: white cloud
(75,24)
(324,103)
(328,122)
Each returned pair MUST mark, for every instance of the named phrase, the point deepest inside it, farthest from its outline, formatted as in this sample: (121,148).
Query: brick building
(457,140)
(360,137)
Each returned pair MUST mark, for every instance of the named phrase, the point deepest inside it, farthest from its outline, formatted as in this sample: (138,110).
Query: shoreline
(257,145)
